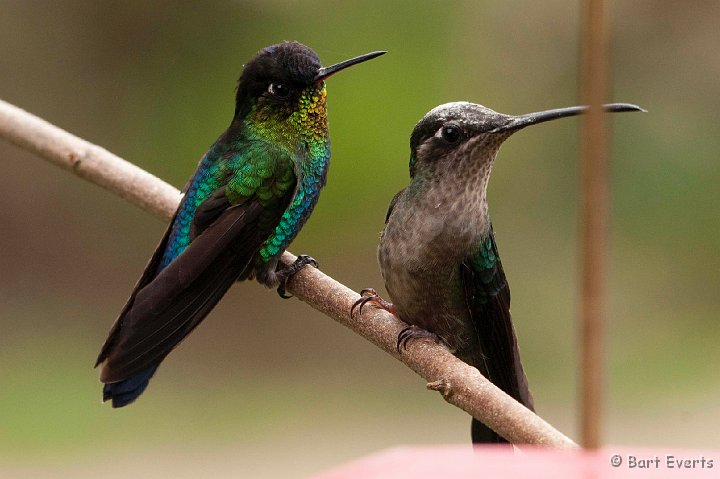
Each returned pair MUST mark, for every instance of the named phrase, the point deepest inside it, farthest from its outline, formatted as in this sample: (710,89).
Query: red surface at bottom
(459,462)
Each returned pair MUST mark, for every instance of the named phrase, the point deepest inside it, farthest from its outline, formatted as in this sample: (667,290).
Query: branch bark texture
(459,383)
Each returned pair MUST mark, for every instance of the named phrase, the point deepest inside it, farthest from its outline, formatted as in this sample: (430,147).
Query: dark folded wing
(147,276)
(488,297)
(166,308)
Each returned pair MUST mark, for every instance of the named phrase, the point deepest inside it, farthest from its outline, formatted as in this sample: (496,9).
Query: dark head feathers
(290,63)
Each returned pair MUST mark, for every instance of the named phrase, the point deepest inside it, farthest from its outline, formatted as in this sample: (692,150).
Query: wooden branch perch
(459,383)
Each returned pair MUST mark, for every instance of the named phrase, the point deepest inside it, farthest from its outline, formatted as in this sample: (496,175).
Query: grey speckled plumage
(429,232)
(437,253)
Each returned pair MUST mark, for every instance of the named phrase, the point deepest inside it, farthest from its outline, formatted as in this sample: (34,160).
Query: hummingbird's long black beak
(521,121)
(325,72)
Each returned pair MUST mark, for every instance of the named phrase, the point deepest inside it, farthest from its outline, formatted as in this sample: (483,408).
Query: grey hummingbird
(437,252)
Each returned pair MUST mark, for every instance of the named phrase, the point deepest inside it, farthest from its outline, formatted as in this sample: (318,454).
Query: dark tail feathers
(127,391)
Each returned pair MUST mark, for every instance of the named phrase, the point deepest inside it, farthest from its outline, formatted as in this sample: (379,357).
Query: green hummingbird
(247,200)
(437,252)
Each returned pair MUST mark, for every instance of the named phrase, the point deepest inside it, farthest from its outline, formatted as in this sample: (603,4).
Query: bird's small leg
(284,274)
(415,332)
(369,295)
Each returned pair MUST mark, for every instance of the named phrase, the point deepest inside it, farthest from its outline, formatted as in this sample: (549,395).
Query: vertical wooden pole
(593,219)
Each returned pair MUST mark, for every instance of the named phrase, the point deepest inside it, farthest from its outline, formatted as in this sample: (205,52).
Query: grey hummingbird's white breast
(424,243)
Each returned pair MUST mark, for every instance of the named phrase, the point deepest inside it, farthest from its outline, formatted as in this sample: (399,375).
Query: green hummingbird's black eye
(451,133)
(279,90)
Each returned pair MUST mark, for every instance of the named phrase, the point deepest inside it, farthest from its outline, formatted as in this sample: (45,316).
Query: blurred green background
(271,388)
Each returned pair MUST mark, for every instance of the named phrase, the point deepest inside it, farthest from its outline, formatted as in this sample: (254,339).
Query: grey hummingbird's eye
(451,133)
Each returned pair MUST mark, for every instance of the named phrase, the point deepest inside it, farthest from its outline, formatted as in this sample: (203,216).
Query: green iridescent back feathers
(274,154)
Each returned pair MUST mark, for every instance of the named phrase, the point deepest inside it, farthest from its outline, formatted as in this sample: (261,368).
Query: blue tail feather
(127,391)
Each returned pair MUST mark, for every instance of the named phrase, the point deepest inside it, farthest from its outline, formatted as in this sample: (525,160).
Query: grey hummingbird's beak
(521,121)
